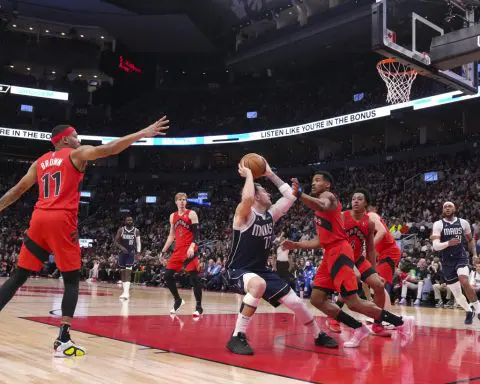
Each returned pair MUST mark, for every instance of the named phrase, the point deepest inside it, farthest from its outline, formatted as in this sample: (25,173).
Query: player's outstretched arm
(469,237)
(306,244)
(282,206)
(325,202)
(25,183)
(244,209)
(171,236)
(87,152)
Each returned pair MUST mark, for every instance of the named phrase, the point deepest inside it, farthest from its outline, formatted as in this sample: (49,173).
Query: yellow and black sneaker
(68,349)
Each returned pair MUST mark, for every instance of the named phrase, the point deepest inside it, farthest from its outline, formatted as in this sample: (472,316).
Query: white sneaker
(125,296)
(359,334)
(176,306)
(68,349)
(406,330)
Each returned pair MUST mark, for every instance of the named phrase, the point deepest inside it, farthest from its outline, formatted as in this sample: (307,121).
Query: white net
(399,79)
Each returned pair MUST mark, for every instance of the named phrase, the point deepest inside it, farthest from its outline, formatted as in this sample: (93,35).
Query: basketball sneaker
(67,349)
(323,340)
(198,311)
(379,330)
(358,335)
(406,330)
(469,317)
(333,325)
(239,345)
(176,306)
(124,296)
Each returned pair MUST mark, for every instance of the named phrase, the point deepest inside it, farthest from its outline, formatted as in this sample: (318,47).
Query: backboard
(405,30)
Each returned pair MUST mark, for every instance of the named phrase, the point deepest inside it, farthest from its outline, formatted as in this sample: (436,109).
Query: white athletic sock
(476,306)
(313,327)
(242,324)
(126,286)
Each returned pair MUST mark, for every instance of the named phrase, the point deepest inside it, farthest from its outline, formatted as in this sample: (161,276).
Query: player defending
(128,241)
(361,231)
(184,231)
(252,241)
(447,237)
(389,253)
(53,226)
(336,270)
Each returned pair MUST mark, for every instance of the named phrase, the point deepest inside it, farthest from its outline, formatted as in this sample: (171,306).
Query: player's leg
(376,283)
(196,283)
(31,259)
(254,287)
(125,262)
(463,277)
(174,265)
(345,282)
(452,276)
(386,270)
(306,317)
(66,249)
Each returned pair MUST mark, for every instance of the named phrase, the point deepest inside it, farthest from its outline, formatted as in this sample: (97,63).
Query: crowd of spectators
(409,209)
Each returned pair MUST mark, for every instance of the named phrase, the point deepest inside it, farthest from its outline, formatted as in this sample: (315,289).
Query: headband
(448,202)
(55,139)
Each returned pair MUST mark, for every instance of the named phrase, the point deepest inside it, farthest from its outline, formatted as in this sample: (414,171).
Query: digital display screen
(252,115)
(85,194)
(358,96)
(430,177)
(26,108)
(151,199)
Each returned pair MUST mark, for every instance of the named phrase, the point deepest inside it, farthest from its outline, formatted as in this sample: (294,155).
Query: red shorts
(364,267)
(51,232)
(177,259)
(387,263)
(336,273)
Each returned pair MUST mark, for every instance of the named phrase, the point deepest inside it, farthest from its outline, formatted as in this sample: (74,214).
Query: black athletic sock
(390,318)
(64,334)
(348,320)
(340,304)
(197,287)
(378,321)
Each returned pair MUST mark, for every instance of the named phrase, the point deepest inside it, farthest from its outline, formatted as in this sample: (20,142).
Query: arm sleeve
(467,230)
(281,207)
(438,246)
(139,244)
(437,228)
(195,232)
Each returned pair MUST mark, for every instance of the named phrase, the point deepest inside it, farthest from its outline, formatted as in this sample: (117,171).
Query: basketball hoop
(399,79)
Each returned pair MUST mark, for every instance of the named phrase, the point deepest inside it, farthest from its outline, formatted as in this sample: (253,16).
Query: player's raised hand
(244,171)
(295,187)
(157,128)
(288,245)
(268,170)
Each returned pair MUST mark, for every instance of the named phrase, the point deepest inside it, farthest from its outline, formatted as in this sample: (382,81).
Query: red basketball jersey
(329,226)
(387,241)
(59,181)
(183,232)
(357,232)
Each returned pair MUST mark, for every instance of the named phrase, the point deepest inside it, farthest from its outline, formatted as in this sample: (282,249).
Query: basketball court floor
(139,342)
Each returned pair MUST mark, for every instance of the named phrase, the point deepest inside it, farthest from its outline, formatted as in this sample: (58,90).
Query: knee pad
(194,278)
(249,300)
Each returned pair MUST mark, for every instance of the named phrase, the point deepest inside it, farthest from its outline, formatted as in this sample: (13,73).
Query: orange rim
(410,72)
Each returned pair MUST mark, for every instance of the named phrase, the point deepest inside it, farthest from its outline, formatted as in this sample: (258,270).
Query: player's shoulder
(373,215)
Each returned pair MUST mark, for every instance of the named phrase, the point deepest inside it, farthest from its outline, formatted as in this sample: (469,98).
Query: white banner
(315,126)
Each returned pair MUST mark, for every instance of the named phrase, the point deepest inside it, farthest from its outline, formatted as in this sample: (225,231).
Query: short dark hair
(257,186)
(59,128)
(128,217)
(366,193)
(327,176)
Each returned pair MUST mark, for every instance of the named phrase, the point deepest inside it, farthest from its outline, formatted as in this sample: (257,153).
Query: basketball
(255,163)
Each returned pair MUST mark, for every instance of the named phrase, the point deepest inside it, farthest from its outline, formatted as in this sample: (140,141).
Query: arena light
(314,126)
